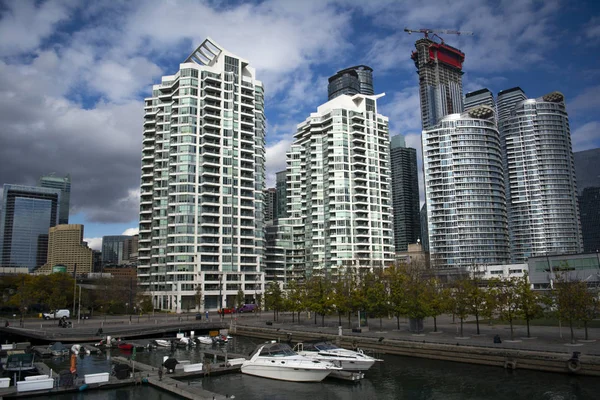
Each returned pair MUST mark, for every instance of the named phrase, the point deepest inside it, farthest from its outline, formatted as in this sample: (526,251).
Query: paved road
(544,338)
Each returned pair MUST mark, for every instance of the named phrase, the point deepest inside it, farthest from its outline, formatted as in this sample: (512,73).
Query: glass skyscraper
(203,180)
(64,184)
(405,193)
(113,249)
(28,213)
(465,191)
(351,81)
(540,174)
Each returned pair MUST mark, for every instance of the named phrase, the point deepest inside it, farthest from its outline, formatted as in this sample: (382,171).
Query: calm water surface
(395,378)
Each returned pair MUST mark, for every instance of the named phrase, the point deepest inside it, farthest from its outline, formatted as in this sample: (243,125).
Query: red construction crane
(426,32)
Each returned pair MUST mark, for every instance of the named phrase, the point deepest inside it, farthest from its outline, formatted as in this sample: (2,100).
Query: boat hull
(284,373)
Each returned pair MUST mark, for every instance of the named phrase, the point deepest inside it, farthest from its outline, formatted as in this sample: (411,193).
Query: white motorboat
(349,360)
(162,343)
(279,361)
(185,342)
(204,340)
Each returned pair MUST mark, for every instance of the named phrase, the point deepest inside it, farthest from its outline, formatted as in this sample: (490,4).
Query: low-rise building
(502,271)
(545,270)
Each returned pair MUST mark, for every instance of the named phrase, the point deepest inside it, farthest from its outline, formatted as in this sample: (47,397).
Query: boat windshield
(276,350)
(323,346)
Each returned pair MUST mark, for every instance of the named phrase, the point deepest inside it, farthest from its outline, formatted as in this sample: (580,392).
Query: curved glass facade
(541,184)
(351,81)
(464,191)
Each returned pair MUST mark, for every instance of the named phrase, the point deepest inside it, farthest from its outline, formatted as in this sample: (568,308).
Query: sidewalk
(543,338)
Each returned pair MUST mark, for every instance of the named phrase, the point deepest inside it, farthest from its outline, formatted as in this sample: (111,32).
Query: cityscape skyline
(103,196)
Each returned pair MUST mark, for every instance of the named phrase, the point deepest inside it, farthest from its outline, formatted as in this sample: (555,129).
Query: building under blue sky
(73,75)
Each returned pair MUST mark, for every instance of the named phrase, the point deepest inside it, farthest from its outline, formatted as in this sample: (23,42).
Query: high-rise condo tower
(201,237)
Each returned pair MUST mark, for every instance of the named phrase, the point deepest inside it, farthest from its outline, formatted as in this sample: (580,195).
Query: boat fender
(574,365)
(83,387)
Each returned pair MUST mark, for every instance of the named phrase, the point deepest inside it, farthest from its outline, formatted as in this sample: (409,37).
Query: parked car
(247,308)
(57,314)
(227,310)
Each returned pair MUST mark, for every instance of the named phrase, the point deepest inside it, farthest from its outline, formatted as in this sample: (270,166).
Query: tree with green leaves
(396,278)
(198,298)
(240,298)
(439,299)
(295,296)
(590,309)
(460,300)
(274,298)
(508,301)
(377,295)
(320,296)
(343,288)
(530,302)
(417,294)
(571,297)
(478,299)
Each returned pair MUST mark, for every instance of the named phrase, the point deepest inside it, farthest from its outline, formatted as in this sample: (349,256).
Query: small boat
(162,343)
(221,339)
(349,360)
(58,349)
(278,361)
(125,346)
(19,363)
(185,342)
(204,340)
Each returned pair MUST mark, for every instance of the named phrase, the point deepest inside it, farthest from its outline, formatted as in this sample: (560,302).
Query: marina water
(394,378)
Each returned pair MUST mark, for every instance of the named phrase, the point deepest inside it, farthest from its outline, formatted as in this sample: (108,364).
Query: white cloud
(592,28)
(509,36)
(586,137)
(276,161)
(131,231)
(25,23)
(94,243)
(589,99)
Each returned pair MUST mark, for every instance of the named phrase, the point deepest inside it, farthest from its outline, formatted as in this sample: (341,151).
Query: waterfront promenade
(543,338)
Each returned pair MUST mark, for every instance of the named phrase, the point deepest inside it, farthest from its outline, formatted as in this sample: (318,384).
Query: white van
(57,314)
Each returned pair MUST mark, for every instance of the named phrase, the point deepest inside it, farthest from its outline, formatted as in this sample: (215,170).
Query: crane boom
(426,32)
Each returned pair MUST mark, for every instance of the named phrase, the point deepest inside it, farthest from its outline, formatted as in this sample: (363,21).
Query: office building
(543,270)
(543,214)
(464,191)
(405,193)
(351,81)
(481,97)
(440,80)
(113,249)
(339,189)
(589,208)
(52,181)
(130,250)
(27,215)
(66,248)
(587,169)
(281,196)
(203,181)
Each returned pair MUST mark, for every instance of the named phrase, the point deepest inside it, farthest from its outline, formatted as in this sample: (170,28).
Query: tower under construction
(440,80)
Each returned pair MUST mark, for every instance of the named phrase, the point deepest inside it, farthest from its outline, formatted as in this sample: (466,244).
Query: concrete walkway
(543,338)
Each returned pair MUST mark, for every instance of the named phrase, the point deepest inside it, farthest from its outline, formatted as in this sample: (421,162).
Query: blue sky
(73,74)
